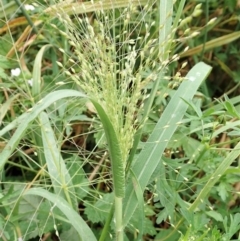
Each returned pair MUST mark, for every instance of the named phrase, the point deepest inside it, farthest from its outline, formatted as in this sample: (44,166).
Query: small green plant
(118,56)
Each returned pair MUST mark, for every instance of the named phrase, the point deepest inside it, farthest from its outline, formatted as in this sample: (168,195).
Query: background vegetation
(59,140)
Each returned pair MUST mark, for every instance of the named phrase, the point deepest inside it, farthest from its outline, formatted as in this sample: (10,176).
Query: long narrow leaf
(114,151)
(24,121)
(37,67)
(74,218)
(93,6)
(214,43)
(57,170)
(36,93)
(150,156)
(165,13)
(165,20)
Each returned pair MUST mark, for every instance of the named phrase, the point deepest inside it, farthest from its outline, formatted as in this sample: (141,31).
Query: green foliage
(106,133)
(98,211)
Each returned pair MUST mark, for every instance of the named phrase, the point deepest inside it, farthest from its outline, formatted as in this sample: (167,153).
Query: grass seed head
(114,51)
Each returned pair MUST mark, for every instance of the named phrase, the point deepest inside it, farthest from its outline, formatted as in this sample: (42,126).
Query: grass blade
(87,7)
(57,170)
(149,157)
(36,94)
(165,13)
(165,20)
(114,152)
(23,122)
(214,43)
(74,218)
(36,86)
(118,169)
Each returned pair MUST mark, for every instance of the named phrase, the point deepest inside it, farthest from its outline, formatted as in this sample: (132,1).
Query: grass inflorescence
(104,135)
(117,60)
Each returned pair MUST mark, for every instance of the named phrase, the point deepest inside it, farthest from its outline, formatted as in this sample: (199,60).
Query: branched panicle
(118,57)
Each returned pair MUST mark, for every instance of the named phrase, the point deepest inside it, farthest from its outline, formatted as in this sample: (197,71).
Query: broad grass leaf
(73,217)
(150,156)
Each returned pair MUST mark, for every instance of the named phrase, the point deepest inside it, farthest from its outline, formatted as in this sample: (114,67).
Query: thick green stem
(118,218)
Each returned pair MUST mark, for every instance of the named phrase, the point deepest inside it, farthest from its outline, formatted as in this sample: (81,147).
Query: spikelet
(119,56)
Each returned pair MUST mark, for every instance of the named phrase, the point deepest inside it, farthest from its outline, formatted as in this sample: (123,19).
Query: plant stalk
(118,218)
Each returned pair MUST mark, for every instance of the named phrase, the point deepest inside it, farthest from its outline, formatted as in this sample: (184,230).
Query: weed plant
(103,133)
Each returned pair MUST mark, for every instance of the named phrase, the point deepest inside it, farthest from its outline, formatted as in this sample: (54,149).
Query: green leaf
(3,75)
(230,108)
(27,211)
(231,4)
(235,224)
(5,107)
(23,122)
(37,68)
(70,234)
(7,229)
(61,180)
(74,218)
(196,108)
(223,190)
(141,215)
(87,7)
(118,171)
(150,155)
(165,15)
(98,212)
(164,20)
(217,216)
(148,226)
(5,63)
(216,176)
(162,216)
(79,180)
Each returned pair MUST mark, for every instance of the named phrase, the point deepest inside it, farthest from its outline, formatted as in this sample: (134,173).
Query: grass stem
(118,218)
